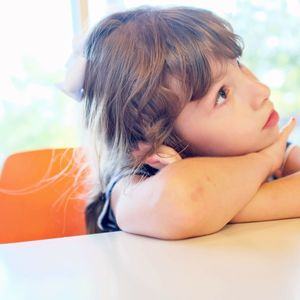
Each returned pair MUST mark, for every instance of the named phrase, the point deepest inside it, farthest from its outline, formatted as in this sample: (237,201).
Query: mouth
(272,120)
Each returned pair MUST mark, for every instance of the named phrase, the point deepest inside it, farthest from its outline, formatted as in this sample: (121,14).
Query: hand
(275,152)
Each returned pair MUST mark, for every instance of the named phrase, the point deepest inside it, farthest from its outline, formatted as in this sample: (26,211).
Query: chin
(268,141)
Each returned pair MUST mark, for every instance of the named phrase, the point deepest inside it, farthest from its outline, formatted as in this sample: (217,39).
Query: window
(37,39)
(269,30)
(36,42)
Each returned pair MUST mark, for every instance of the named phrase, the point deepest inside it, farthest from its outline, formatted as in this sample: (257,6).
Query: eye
(221,96)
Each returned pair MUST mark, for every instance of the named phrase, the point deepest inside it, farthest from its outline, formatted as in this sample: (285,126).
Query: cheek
(224,140)
(206,140)
(229,133)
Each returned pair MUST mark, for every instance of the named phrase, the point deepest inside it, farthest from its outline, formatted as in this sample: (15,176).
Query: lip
(272,120)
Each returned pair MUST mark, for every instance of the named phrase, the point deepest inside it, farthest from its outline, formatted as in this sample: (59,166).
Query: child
(182,136)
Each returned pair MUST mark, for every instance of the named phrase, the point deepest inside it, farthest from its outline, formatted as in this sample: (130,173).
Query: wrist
(264,161)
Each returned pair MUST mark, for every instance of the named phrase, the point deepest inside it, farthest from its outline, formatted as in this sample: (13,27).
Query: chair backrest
(41,196)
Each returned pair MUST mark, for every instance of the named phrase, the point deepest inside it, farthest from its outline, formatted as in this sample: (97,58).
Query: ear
(164,156)
(151,160)
(154,161)
(141,150)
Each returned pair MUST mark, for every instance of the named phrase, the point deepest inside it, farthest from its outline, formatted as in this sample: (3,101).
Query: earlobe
(152,160)
(155,161)
(164,156)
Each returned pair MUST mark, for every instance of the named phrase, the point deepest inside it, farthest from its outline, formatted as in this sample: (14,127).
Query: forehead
(219,68)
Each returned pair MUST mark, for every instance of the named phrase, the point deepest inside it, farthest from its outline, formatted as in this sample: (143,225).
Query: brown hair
(131,57)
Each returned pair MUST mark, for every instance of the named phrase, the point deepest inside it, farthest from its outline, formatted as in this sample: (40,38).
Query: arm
(278,199)
(205,195)
(196,196)
(292,164)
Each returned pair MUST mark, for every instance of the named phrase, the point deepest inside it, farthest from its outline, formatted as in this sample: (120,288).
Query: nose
(259,94)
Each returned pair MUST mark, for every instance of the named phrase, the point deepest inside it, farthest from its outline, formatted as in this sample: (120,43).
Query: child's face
(234,118)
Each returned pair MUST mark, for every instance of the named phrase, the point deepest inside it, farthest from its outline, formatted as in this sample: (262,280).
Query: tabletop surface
(244,261)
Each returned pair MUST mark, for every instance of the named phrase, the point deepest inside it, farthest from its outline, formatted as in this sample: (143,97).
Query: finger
(167,154)
(167,159)
(287,129)
(166,150)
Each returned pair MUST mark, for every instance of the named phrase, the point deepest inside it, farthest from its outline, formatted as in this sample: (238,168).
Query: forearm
(279,199)
(195,196)
(213,190)
(192,197)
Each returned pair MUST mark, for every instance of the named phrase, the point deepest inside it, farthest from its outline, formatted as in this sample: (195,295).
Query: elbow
(171,222)
(175,212)
(182,216)
(196,226)
(184,224)
(168,219)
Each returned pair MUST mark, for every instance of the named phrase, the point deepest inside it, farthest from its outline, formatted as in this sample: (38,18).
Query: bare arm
(292,164)
(195,196)
(205,194)
(279,199)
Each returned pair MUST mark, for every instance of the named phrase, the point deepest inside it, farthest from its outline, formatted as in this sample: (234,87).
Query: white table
(246,261)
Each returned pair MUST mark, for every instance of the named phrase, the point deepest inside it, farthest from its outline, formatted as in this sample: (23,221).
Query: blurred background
(37,40)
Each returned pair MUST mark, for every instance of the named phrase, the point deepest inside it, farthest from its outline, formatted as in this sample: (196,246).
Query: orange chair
(41,196)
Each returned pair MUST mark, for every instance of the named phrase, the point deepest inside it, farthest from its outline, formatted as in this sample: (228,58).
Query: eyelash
(222,93)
